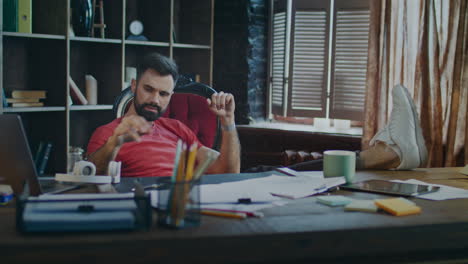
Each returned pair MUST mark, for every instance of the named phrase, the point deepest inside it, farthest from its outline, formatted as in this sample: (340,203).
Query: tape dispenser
(85,172)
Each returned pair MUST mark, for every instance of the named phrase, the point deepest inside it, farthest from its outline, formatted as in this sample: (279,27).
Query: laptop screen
(16,162)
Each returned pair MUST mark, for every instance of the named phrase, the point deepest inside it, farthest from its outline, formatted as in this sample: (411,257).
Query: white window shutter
(309,60)
(350,63)
(278,58)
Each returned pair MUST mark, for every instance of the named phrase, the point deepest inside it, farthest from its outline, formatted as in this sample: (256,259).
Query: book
(10,15)
(38,104)
(41,94)
(76,94)
(22,100)
(44,158)
(39,151)
(91,89)
(25,16)
(4,99)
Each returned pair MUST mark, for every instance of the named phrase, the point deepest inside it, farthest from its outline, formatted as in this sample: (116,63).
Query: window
(314,73)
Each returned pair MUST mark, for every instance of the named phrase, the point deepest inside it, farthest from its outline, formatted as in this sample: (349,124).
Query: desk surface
(300,232)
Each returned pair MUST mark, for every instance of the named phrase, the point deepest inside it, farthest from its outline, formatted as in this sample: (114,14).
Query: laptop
(17,167)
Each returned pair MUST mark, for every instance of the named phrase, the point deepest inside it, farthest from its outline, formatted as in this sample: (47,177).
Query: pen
(224,214)
(247,213)
(152,186)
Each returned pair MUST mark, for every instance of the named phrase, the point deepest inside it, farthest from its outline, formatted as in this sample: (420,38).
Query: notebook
(16,163)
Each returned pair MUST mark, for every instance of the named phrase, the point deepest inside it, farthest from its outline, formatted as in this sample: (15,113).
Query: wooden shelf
(90,107)
(97,40)
(191,46)
(32,35)
(34,109)
(147,43)
(45,60)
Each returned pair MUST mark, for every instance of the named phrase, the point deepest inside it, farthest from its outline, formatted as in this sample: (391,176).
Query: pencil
(211,156)
(176,160)
(192,153)
(247,213)
(177,205)
(224,214)
(182,162)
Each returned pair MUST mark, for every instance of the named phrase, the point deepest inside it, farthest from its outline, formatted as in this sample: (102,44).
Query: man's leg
(379,156)
(399,145)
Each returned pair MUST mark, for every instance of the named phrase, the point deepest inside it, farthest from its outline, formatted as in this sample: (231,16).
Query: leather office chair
(188,105)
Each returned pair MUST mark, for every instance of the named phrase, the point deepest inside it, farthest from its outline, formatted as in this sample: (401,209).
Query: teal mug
(338,163)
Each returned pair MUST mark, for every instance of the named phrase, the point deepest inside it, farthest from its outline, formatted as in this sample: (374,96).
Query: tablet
(392,188)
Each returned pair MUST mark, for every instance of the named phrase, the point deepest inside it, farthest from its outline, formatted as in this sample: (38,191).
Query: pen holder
(179,204)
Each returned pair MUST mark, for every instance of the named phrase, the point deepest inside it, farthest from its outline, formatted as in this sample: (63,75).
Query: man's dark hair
(157,62)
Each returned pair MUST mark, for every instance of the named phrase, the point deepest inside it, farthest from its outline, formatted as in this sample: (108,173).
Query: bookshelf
(42,60)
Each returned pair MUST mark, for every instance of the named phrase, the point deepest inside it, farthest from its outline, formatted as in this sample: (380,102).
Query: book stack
(26,98)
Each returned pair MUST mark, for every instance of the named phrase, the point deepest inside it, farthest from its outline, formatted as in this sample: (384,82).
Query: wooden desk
(300,232)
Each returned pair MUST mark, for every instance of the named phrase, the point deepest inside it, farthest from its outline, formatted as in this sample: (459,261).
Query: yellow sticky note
(398,206)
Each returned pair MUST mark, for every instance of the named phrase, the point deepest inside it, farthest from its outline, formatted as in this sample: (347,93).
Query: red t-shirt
(154,155)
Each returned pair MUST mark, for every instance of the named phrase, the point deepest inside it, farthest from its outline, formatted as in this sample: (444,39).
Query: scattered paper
(262,192)
(231,192)
(268,189)
(444,193)
(243,207)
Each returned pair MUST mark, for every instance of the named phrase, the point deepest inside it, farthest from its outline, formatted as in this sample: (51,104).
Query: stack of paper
(262,192)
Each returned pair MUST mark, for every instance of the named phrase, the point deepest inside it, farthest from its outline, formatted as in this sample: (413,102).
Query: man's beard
(148,115)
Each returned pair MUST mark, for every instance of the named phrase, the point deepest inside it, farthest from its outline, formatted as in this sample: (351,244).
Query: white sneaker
(403,132)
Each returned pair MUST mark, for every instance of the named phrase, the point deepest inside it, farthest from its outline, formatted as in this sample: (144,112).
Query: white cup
(338,163)
(74,155)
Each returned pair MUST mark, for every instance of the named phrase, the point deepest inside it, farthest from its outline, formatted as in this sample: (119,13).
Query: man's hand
(131,128)
(223,105)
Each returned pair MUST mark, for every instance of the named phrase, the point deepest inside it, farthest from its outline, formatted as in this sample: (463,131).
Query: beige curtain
(423,45)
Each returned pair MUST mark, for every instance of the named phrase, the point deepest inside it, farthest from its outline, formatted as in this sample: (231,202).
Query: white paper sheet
(225,196)
(263,189)
(444,193)
(243,207)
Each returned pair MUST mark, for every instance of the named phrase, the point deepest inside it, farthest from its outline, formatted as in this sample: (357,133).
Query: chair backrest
(188,105)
